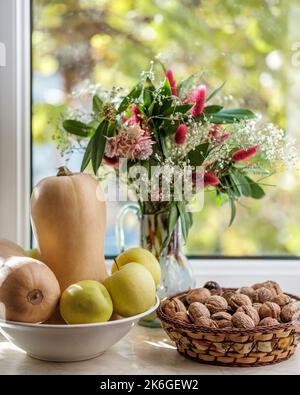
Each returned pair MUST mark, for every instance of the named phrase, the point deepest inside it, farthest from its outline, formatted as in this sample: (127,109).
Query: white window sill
(238,272)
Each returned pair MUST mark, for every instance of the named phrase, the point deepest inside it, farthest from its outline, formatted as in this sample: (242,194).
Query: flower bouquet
(184,131)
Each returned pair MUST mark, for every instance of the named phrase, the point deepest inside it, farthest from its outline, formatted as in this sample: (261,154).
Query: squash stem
(63,171)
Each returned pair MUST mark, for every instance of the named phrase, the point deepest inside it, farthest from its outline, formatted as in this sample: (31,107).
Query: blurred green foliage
(242,42)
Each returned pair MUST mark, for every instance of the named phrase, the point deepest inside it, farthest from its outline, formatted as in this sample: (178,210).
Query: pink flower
(135,117)
(132,142)
(243,154)
(199,100)
(210,179)
(215,134)
(114,162)
(180,134)
(170,77)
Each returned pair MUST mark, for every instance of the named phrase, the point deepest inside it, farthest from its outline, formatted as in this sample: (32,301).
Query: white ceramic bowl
(66,343)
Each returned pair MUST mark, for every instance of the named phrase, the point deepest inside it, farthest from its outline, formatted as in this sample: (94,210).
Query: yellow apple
(141,256)
(34,253)
(132,289)
(86,302)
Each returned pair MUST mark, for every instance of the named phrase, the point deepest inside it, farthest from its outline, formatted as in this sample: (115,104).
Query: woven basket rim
(238,331)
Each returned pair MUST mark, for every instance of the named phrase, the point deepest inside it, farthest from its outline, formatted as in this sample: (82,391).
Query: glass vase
(176,271)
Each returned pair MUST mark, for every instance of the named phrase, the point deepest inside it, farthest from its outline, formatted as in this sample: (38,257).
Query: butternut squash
(9,249)
(68,214)
(29,291)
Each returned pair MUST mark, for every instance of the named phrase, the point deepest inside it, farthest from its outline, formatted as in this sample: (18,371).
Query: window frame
(15,121)
(16,153)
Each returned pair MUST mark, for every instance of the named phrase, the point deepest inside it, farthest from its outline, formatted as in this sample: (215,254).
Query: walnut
(207,322)
(289,311)
(222,319)
(257,306)
(249,291)
(273,286)
(282,299)
(216,303)
(242,320)
(197,295)
(182,316)
(257,286)
(227,295)
(268,321)
(269,309)
(213,287)
(238,300)
(198,310)
(172,306)
(262,295)
(250,311)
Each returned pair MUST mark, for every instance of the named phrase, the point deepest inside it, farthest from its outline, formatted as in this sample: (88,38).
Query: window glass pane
(248,44)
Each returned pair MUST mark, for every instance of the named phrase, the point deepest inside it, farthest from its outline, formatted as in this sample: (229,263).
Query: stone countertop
(142,351)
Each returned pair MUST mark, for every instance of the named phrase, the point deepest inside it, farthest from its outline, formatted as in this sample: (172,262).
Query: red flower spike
(243,154)
(199,100)
(214,132)
(210,179)
(224,136)
(114,162)
(180,134)
(170,77)
(136,115)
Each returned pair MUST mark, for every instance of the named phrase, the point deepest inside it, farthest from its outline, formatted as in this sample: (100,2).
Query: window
(252,45)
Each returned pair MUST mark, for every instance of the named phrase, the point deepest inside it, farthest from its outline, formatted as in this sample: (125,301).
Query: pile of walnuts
(262,304)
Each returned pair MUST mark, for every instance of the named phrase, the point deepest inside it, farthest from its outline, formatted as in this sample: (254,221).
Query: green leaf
(235,184)
(76,127)
(257,170)
(165,109)
(98,145)
(162,65)
(243,183)
(232,115)
(87,156)
(256,190)
(168,128)
(215,91)
(198,155)
(218,198)
(212,109)
(187,84)
(182,108)
(166,88)
(148,96)
(111,130)
(184,219)
(97,104)
(232,207)
(163,146)
(133,94)
(221,198)
(172,220)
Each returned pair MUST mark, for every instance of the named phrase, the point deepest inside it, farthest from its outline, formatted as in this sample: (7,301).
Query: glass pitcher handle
(120,236)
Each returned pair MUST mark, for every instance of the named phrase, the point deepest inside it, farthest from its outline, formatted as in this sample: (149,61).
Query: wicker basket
(232,347)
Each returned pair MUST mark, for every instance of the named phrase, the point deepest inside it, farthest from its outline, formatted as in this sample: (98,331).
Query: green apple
(86,302)
(141,256)
(34,253)
(132,289)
